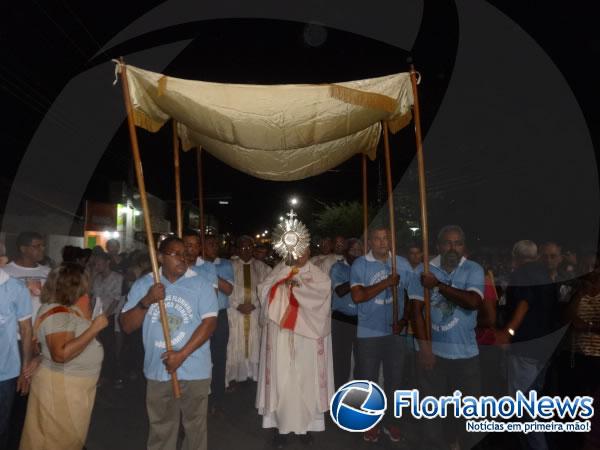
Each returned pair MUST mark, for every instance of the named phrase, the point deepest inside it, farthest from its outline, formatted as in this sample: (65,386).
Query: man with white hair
(296,368)
(530,301)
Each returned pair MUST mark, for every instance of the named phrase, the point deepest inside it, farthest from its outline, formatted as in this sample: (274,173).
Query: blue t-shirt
(15,306)
(340,274)
(207,270)
(375,315)
(188,301)
(225,272)
(452,327)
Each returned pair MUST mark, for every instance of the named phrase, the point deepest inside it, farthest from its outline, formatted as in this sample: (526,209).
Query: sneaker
(393,432)
(372,435)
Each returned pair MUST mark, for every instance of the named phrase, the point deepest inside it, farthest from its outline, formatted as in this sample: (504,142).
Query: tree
(345,219)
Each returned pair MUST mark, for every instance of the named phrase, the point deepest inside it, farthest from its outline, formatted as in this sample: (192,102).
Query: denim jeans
(527,374)
(447,376)
(7,396)
(389,351)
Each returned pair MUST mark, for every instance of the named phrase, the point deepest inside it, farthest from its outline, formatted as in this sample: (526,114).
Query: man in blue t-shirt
(192,308)
(344,314)
(371,282)
(194,259)
(15,308)
(220,338)
(456,294)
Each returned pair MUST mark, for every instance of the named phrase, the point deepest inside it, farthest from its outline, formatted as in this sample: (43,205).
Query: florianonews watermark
(359,405)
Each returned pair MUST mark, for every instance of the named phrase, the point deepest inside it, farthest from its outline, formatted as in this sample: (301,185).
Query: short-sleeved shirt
(375,316)
(15,306)
(340,274)
(225,272)
(452,327)
(207,270)
(188,301)
(531,282)
(89,361)
(33,277)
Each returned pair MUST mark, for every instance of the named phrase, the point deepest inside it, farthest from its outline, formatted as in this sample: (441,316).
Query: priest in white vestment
(296,370)
(243,348)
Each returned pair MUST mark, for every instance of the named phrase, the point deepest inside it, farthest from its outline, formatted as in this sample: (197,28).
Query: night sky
(44,45)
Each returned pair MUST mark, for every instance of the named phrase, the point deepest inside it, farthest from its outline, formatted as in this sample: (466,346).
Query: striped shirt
(588,311)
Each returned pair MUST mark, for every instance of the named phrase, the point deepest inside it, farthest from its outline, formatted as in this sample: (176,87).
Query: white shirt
(33,277)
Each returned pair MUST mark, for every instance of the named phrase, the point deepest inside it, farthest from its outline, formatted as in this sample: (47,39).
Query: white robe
(238,367)
(326,262)
(296,368)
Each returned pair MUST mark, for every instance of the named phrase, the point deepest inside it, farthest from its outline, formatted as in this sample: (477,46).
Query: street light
(257,236)
(293,201)
(414,230)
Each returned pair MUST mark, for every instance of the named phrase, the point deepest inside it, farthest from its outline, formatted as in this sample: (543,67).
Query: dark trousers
(389,351)
(447,376)
(107,339)
(133,353)
(218,353)
(7,396)
(493,370)
(343,341)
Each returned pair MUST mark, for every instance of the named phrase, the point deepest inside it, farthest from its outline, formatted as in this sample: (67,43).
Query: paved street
(119,422)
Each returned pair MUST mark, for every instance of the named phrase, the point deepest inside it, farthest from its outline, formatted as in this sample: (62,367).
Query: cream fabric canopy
(275,132)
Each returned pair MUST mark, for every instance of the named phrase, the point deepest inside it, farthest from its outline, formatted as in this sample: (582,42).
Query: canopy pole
(365,200)
(391,212)
(177,181)
(422,196)
(146,211)
(200,196)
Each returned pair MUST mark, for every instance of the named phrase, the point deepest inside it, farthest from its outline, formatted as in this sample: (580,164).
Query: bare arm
(25,329)
(425,354)
(174,358)
(64,346)
(342,289)
(225,286)
(517,318)
(465,299)
(362,294)
(134,318)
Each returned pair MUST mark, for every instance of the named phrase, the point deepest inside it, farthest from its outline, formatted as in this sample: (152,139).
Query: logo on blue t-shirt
(443,312)
(179,313)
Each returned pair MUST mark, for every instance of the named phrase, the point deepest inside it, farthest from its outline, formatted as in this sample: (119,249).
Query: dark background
(43,45)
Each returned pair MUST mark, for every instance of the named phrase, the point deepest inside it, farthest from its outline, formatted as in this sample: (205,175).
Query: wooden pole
(391,212)
(177,181)
(146,211)
(422,196)
(200,197)
(365,200)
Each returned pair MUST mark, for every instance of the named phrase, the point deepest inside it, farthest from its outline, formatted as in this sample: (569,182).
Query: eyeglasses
(37,246)
(246,248)
(177,255)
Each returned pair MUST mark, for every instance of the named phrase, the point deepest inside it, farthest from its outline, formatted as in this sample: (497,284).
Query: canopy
(275,132)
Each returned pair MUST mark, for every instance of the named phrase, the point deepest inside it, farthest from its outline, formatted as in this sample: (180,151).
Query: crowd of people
(298,327)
